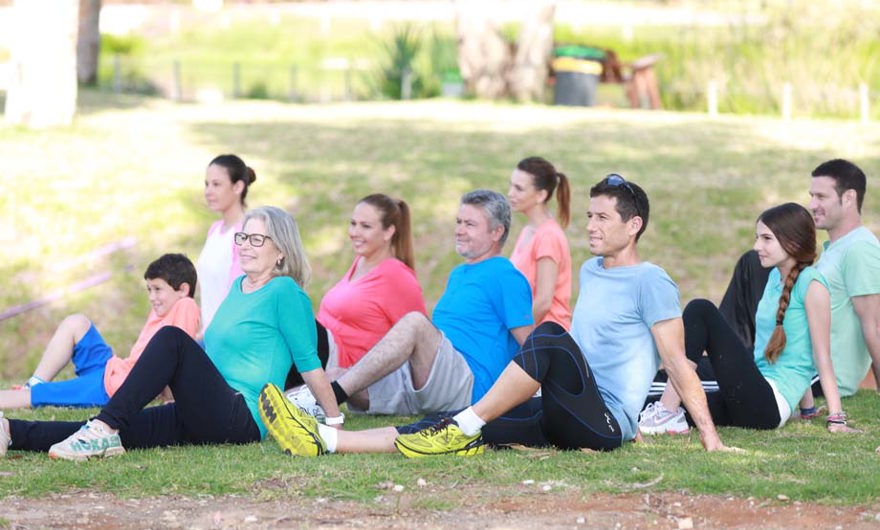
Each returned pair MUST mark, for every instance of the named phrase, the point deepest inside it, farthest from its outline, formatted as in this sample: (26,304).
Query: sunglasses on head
(615,180)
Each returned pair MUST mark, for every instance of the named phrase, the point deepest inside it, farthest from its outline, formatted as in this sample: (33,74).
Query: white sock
(469,422)
(329,435)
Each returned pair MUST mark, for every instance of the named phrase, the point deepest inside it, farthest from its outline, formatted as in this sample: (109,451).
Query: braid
(777,340)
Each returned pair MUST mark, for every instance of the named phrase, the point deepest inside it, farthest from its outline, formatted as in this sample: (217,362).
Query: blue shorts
(90,356)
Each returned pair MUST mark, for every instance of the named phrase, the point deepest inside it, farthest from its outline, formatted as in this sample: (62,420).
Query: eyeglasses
(256,240)
(613,179)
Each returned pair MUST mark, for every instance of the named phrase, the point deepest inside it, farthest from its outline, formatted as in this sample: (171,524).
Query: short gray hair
(495,206)
(282,229)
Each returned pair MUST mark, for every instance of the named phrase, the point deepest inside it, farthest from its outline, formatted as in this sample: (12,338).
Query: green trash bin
(577,70)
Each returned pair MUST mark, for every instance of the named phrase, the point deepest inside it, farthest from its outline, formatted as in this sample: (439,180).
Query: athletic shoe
(657,419)
(294,430)
(90,440)
(302,397)
(5,437)
(444,438)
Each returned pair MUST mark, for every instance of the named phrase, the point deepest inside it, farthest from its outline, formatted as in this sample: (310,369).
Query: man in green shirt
(850,261)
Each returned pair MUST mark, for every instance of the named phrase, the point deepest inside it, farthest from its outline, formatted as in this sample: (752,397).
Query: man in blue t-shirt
(478,324)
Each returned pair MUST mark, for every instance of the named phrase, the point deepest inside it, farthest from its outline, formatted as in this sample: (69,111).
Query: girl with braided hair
(759,389)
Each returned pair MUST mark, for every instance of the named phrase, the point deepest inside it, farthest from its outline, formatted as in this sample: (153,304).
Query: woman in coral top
(541,252)
(379,288)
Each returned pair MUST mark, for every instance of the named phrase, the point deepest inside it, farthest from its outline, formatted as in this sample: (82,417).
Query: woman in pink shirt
(378,289)
(541,252)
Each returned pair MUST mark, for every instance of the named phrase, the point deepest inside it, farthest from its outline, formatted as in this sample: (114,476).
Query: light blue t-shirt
(852,267)
(794,368)
(482,303)
(255,337)
(612,322)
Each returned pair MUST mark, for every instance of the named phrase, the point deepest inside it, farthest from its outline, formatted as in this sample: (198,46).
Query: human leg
(325,345)
(574,414)
(414,339)
(59,350)
(207,409)
(15,399)
(748,398)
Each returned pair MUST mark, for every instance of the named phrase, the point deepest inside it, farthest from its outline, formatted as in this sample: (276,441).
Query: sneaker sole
(411,452)
(115,451)
(656,431)
(273,405)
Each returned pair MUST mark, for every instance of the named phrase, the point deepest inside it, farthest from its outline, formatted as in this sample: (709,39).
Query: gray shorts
(449,387)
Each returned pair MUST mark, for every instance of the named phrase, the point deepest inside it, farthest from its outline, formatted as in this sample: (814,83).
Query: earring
(280,262)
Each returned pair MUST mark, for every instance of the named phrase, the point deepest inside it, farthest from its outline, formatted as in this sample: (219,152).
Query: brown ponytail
(545,177)
(395,212)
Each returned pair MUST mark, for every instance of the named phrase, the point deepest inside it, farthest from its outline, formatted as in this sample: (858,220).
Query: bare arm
(521,333)
(818,306)
(669,337)
(545,287)
(868,309)
(320,387)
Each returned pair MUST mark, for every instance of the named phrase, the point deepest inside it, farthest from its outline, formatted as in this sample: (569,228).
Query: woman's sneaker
(302,397)
(657,419)
(92,439)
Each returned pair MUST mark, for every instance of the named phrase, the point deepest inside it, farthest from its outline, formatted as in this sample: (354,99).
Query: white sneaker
(657,419)
(5,437)
(302,397)
(90,440)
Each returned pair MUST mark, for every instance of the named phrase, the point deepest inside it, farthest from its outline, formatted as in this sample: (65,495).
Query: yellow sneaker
(294,430)
(445,438)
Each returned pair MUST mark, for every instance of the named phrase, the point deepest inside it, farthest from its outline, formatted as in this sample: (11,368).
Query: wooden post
(712,98)
(176,93)
(406,83)
(117,74)
(236,80)
(786,101)
(864,103)
(291,93)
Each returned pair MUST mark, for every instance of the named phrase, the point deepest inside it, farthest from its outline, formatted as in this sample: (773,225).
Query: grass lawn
(133,168)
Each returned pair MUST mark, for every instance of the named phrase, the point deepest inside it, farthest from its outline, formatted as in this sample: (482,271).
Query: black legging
(206,409)
(747,400)
(572,413)
(294,378)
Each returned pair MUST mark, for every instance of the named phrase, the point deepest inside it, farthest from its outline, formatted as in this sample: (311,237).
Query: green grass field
(133,168)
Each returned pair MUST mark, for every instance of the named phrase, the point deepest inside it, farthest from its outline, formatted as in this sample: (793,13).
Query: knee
(549,328)
(169,333)
(78,324)
(414,321)
(698,306)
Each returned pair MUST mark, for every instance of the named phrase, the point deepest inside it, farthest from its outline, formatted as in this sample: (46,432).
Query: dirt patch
(518,509)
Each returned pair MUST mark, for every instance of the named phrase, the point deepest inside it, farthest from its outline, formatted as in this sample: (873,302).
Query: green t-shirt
(794,367)
(851,265)
(254,338)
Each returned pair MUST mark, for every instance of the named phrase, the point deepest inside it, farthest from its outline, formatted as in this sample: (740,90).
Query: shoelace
(436,428)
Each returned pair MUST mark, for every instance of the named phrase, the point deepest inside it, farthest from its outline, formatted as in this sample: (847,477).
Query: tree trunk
(42,89)
(484,58)
(88,43)
(534,47)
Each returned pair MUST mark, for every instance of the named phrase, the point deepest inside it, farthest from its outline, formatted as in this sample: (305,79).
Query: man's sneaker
(294,430)
(445,438)
(92,439)
(302,397)
(5,437)
(657,419)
